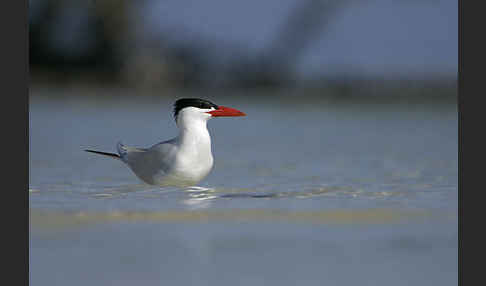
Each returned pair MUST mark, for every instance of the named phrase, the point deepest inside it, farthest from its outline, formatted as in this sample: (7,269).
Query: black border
(471,182)
(15,139)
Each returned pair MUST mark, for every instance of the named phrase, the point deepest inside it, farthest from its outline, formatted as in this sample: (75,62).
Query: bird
(182,161)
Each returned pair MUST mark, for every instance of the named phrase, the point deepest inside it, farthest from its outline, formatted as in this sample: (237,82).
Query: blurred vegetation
(96,43)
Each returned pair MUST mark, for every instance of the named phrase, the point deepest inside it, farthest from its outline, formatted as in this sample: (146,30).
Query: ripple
(309,193)
(103,195)
(247,195)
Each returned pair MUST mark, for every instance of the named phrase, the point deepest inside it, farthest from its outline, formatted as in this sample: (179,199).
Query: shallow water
(314,193)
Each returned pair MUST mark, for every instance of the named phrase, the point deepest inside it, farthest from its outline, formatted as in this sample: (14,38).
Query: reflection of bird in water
(184,160)
(199,197)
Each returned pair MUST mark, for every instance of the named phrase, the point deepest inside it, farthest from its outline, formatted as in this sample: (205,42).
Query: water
(310,193)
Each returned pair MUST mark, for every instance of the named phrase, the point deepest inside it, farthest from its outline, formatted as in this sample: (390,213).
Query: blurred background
(345,47)
(344,171)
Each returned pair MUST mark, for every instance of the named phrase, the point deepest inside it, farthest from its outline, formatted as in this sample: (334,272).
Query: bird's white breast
(193,159)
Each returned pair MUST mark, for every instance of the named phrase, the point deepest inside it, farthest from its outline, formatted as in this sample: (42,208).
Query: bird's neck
(194,135)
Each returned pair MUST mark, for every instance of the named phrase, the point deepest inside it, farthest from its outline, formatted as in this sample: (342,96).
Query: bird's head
(195,109)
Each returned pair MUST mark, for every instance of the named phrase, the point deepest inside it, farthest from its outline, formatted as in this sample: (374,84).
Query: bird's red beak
(226,111)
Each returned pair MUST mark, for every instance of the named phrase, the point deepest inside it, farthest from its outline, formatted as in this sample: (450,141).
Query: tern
(184,160)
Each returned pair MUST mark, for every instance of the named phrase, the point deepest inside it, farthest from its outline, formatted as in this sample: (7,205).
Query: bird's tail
(112,155)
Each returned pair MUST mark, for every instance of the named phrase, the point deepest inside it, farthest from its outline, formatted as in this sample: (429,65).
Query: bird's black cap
(194,102)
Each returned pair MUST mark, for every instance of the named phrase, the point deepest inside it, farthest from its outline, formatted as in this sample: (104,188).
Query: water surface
(312,193)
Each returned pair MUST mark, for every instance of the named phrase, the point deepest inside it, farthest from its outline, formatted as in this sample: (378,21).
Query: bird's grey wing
(164,152)
(151,162)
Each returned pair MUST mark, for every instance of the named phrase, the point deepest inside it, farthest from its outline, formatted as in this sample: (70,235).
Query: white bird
(184,160)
